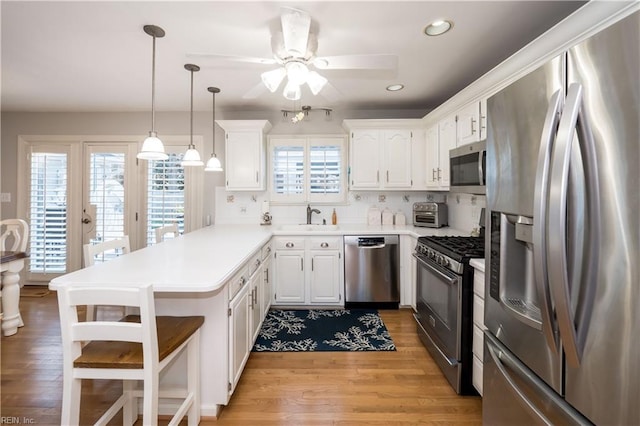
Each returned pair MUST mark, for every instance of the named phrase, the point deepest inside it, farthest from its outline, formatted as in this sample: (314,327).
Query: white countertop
(477,264)
(204,260)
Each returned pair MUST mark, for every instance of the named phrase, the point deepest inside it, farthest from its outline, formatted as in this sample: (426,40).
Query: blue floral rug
(323,330)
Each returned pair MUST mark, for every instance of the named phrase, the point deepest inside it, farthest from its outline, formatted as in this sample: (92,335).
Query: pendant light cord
(213,134)
(191,126)
(153,86)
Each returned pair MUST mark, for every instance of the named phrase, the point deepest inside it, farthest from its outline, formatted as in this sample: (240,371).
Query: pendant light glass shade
(152,147)
(192,156)
(213,164)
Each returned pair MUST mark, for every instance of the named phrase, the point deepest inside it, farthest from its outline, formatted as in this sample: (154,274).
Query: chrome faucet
(310,211)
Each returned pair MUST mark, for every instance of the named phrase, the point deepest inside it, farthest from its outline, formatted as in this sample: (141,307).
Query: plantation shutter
(288,172)
(325,166)
(48,213)
(165,195)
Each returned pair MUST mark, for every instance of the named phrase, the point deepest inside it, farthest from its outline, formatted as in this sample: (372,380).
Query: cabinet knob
(324,245)
(289,245)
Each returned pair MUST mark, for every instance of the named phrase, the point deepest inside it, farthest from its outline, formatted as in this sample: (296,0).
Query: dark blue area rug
(323,330)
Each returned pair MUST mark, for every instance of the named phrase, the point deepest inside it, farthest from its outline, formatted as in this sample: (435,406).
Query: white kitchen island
(196,274)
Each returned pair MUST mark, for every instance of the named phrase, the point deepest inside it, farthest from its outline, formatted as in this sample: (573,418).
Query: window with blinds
(48,213)
(165,195)
(305,169)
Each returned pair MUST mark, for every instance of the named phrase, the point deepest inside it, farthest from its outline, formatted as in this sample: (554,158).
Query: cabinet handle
(473,121)
(269,249)
(255,296)
(288,245)
(324,245)
(256,177)
(302,264)
(266,275)
(257,262)
(433,175)
(312,263)
(483,122)
(387,176)
(439,170)
(378,176)
(243,281)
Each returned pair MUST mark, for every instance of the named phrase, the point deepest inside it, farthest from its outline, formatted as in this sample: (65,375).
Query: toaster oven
(430,214)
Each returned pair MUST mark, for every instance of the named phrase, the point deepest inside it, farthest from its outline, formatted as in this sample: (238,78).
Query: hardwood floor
(310,388)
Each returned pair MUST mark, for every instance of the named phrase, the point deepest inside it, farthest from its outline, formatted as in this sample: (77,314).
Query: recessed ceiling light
(395,87)
(438,27)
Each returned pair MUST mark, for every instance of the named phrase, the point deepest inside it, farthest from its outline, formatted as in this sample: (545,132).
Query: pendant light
(213,165)
(152,147)
(192,156)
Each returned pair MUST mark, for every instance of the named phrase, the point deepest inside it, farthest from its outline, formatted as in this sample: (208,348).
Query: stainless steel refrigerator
(562,308)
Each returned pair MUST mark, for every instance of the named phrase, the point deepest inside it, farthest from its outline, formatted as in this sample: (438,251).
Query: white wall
(14,124)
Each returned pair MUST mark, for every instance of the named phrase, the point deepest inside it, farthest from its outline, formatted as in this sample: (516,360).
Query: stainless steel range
(444,304)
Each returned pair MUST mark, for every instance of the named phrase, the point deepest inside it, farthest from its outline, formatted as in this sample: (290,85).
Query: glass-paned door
(109,207)
(165,194)
(48,189)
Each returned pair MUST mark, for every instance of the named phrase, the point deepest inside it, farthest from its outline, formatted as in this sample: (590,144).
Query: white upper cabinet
(245,161)
(432,163)
(446,141)
(472,121)
(381,154)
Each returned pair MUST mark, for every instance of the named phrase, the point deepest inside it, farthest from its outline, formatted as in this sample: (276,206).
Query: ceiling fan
(294,51)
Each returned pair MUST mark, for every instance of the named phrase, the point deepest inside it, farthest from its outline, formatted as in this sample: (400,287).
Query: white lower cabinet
(308,271)
(239,319)
(249,300)
(478,323)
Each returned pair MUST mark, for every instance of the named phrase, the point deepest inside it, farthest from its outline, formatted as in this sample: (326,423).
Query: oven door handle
(450,280)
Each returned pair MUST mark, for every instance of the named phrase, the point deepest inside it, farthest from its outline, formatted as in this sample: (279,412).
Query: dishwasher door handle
(377,246)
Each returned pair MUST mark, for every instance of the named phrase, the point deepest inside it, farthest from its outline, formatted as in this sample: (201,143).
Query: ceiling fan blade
(255,92)
(295,30)
(211,58)
(359,62)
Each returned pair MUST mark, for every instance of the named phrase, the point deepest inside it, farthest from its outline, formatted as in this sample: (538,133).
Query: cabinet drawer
(478,283)
(478,311)
(290,243)
(254,263)
(476,377)
(478,342)
(266,250)
(237,282)
(321,243)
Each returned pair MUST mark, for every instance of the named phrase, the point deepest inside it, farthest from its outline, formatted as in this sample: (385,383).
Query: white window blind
(107,193)
(288,170)
(165,195)
(305,169)
(48,213)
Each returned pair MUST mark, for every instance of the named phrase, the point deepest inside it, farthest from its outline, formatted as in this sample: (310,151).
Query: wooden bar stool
(136,348)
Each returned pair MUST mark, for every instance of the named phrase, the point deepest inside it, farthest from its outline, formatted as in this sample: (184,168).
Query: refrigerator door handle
(504,358)
(573,328)
(541,198)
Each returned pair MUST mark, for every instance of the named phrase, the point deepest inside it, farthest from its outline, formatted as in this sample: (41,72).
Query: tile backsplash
(246,208)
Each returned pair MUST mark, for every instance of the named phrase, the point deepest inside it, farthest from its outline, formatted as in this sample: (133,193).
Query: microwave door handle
(541,198)
(573,118)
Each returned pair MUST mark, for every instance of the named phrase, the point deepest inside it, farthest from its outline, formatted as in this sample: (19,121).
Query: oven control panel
(439,258)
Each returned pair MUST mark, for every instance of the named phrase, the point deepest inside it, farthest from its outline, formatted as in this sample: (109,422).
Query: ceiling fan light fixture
(273,78)
(292,91)
(438,27)
(297,72)
(316,82)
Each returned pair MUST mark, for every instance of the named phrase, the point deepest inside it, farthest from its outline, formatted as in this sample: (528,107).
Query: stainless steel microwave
(467,168)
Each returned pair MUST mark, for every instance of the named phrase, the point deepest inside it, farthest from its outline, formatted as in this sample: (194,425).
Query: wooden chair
(107,249)
(17,231)
(167,229)
(136,348)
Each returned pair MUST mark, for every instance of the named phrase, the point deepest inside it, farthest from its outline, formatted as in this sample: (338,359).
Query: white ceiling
(94,56)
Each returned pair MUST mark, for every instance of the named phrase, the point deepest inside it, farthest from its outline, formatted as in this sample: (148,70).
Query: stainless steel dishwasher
(372,271)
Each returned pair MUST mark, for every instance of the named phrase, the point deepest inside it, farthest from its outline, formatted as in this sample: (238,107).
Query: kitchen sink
(303,227)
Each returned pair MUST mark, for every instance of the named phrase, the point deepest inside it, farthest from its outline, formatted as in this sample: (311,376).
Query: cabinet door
(239,345)
(418,155)
(289,277)
(397,159)
(432,158)
(243,160)
(447,141)
(324,277)
(365,159)
(468,126)
(255,305)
